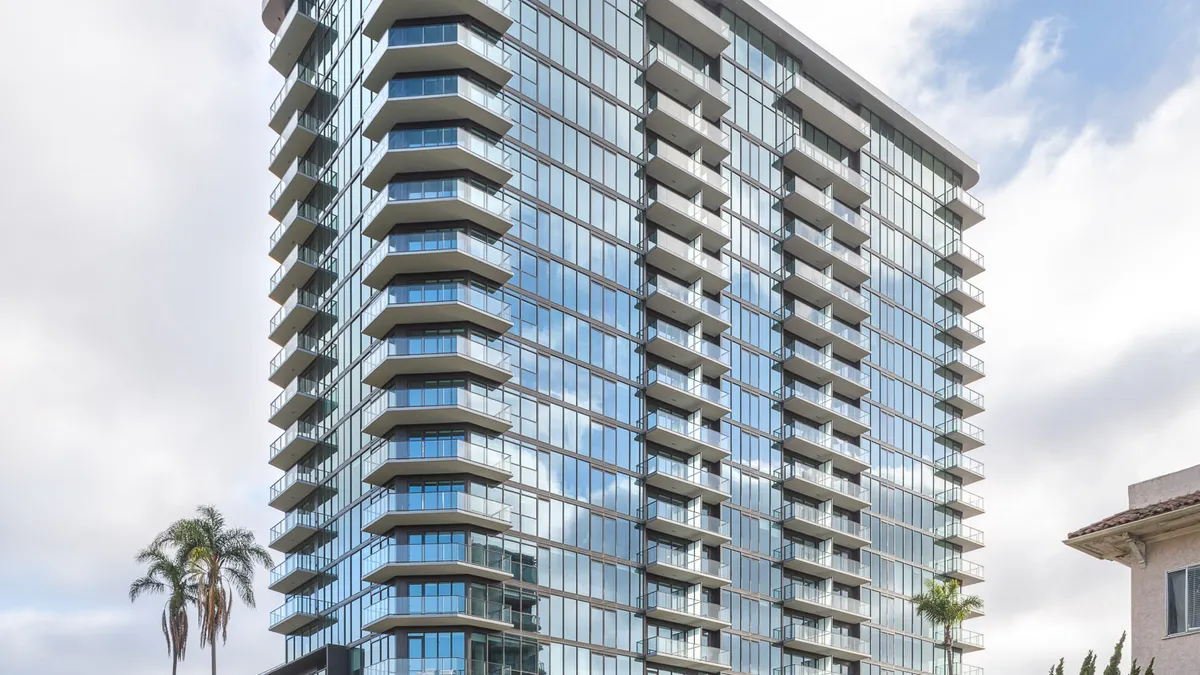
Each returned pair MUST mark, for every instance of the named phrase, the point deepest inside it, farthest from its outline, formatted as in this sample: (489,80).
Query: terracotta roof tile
(1134,515)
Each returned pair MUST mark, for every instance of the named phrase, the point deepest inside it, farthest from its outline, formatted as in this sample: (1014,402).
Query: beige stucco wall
(1175,655)
(1163,488)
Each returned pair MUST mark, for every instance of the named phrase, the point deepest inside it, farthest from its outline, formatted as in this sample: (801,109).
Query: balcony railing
(429,449)
(800,350)
(684,516)
(829,481)
(300,429)
(692,210)
(839,210)
(827,162)
(687,340)
(837,289)
(661,555)
(827,323)
(834,106)
(438,554)
(298,606)
(709,85)
(710,177)
(961,427)
(295,475)
(689,385)
(435,501)
(435,190)
(964,357)
(687,296)
(436,345)
(818,557)
(298,562)
(660,646)
(820,398)
(819,596)
(820,239)
(441,240)
(711,132)
(795,632)
(678,425)
(961,496)
(692,254)
(430,293)
(827,441)
(956,565)
(684,605)
(438,605)
(434,397)
(669,467)
(959,249)
(955,460)
(797,511)
(960,531)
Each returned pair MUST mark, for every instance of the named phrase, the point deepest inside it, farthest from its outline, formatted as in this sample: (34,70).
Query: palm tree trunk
(214,655)
(949,652)
(174,663)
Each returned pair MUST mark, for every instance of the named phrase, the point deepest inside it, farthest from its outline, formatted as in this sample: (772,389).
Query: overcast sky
(134,270)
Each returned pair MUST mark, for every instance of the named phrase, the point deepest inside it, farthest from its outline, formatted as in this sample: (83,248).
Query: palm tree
(942,605)
(167,575)
(221,563)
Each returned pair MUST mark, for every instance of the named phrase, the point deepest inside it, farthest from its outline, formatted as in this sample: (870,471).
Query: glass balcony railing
(952,566)
(295,475)
(795,632)
(964,357)
(301,211)
(658,554)
(685,516)
(678,425)
(302,120)
(445,553)
(837,289)
(959,669)
(436,666)
(677,202)
(418,449)
(957,193)
(299,75)
(959,531)
(436,345)
(675,157)
(818,557)
(797,511)
(400,37)
(299,342)
(825,160)
(814,92)
(295,519)
(799,310)
(297,606)
(691,254)
(712,87)
(956,460)
(661,646)
(679,112)
(687,340)
(301,167)
(425,139)
(957,390)
(436,398)
(800,350)
(961,496)
(833,206)
(299,562)
(827,441)
(678,291)
(439,85)
(441,240)
(683,472)
(829,481)
(959,248)
(438,189)
(436,501)
(306,7)
(301,386)
(300,254)
(300,429)
(818,596)
(437,605)
(797,669)
(959,322)
(820,398)
(961,427)
(959,285)
(970,638)
(685,605)
(418,294)
(684,383)
(820,239)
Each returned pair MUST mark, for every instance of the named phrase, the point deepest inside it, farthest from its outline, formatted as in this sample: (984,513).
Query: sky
(133,295)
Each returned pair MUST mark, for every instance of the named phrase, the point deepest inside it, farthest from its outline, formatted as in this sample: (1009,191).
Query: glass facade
(613,340)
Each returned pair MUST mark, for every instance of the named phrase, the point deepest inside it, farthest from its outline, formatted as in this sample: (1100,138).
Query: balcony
(673,168)
(434,354)
(457,509)
(817,641)
(818,288)
(686,306)
(681,391)
(821,525)
(450,405)
(688,481)
(828,114)
(426,49)
(822,447)
(293,530)
(674,212)
(678,521)
(963,293)
(817,563)
(969,401)
(962,432)
(965,571)
(299,353)
(967,538)
(685,83)
(961,203)
(680,654)
(678,565)
(968,504)
(443,149)
(295,228)
(298,182)
(964,364)
(296,613)
(817,366)
(817,327)
(294,487)
(691,21)
(436,303)
(672,120)
(966,640)
(966,468)
(682,348)
(437,560)
(685,611)
(301,132)
(298,26)
(417,457)
(821,169)
(294,401)
(436,200)
(298,90)
(825,212)
(435,252)
(963,257)
(959,327)
(812,600)
(820,250)
(820,407)
(823,486)
(293,444)
(436,611)
(680,434)
(295,571)
(297,269)
(382,14)
(433,99)
(687,261)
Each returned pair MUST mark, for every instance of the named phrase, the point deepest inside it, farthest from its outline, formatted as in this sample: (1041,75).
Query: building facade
(614,338)
(1158,538)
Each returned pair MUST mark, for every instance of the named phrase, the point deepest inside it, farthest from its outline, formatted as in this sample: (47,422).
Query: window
(1183,600)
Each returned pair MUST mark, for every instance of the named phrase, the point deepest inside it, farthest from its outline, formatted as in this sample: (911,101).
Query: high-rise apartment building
(615,338)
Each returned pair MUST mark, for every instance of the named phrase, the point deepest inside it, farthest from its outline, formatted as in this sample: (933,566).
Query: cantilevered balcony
(380,15)
(686,393)
(820,250)
(823,486)
(966,365)
(294,530)
(429,457)
(431,99)
(685,349)
(300,179)
(672,120)
(295,486)
(969,401)
(298,26)
(435,200)
(685,83)
(687,261)
(443,47)
(818,288)
(294,401)
(962,432)
(299,89)
(293,444)
(817,327)
(825,212)
(435,509)
(441,149)
(963,257)
(960,202)
(959,327)
(435,354)
(449,405)
(673,168)
(968,296)
(431,303)
(691,21)
(966,640)
(813,600)
(821,169)
(685,305)
(295,571)
(295,271)
(437,560)
(822,447)
(435,252)
(966,468)
(821,525)
(688,481)
(681,654)
(817,563)
(686,611)
(428,611)
(296,613)
(679,434)
(674,564)
(814,365)
(967,503)
(816,405)
(298,354)
(965,571)
(301,132)
(296,227)
(828,114)
(679,521)
(817,641)
(674,212)
(969,538)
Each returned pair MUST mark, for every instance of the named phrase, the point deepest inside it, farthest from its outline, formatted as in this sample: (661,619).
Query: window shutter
(1193,598)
